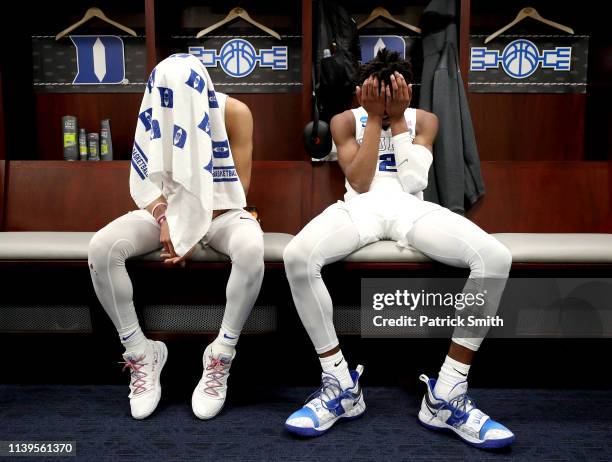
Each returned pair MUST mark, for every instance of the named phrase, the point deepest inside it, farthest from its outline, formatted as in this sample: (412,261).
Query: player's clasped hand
(371,95)
(398,96)
(168,253)
(176,260)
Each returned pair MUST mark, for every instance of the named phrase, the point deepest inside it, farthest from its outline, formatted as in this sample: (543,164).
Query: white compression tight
(442,235)
(234,233)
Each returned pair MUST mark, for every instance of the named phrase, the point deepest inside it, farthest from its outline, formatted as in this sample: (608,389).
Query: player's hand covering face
(371,96)
(398,96)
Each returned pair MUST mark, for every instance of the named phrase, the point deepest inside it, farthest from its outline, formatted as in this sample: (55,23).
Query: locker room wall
(530,159)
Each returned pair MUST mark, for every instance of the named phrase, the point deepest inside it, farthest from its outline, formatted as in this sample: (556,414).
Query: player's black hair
(384,65)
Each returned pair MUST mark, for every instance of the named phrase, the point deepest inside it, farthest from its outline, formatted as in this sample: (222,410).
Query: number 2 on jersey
(387,163)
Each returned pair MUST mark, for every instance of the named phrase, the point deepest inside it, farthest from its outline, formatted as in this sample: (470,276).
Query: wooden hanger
(529,12)
(236,13)
(94,13)
(382,13)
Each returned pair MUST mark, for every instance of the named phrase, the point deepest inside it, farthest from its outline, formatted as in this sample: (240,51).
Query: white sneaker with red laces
(145,370)
(209,395)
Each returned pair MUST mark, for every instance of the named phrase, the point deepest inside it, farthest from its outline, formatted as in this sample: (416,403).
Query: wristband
(161,219)
(159,204)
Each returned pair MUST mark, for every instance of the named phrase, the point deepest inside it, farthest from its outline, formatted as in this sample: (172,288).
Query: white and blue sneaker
(460,416)
(327,405)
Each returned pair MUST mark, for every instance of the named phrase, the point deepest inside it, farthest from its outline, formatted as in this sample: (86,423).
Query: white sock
(133,340)
(451,373)
(336,365)
(226,342)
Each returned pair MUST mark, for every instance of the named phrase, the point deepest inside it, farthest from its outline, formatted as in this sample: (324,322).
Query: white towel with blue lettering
(181,149)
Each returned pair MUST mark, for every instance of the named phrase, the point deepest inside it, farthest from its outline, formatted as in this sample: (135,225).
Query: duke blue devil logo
(209,167)
(205,124)
(220,149)
(145,118)
(167,97)
(521,58)
(179,137)
(100,59)
(212,99)
(155,130)
(195,81)
(151,80)
(238,58)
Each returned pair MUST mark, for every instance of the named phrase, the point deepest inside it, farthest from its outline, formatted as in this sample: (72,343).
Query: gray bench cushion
(525,247)
(558,247)
(44,245)
(74,246)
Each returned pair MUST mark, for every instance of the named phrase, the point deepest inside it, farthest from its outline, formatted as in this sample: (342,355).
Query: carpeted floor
(550,425)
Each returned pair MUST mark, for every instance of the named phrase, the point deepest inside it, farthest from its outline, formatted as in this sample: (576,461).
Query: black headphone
(317,135)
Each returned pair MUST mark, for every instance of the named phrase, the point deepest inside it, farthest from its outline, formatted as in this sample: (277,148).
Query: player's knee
(295,257)
(103,251)
(249,255)
(497,259)
(97,250)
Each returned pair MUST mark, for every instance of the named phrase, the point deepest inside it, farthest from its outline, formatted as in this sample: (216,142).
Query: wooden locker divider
(464,40)
(307,54)
(152,52)
(2,126)
(2,192)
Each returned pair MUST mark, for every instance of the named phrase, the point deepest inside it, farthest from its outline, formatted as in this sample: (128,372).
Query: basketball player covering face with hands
(232,232)
(385,151)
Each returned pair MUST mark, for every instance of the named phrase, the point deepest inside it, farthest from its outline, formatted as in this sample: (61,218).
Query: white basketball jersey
(221,100)
(385,177)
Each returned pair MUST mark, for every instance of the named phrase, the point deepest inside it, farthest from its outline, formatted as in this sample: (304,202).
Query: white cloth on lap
(181,139)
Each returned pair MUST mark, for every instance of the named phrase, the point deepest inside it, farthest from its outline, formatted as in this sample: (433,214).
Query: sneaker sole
(208,417)
(164,350)
(313,432)
(486,444)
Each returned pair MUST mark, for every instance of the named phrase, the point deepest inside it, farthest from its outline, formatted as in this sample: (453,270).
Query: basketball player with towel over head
(191,169)
(384,200)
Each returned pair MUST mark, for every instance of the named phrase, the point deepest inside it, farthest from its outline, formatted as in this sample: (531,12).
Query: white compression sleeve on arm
(413,162)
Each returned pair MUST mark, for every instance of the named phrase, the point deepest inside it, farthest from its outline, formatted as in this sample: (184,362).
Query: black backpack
(336,70)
